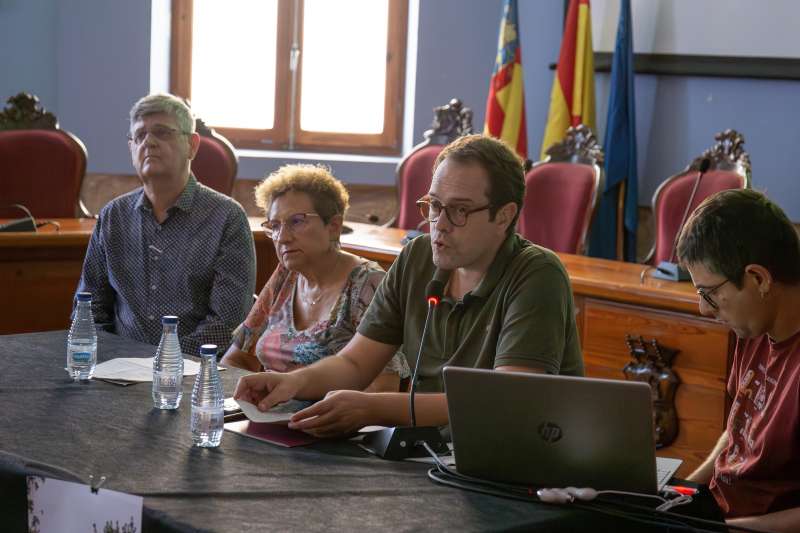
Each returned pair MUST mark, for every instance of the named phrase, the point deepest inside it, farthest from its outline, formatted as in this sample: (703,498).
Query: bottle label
(81,357)
(206,419)
(166,380)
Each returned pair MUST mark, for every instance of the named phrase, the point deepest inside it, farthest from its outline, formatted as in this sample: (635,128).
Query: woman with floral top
(313,302)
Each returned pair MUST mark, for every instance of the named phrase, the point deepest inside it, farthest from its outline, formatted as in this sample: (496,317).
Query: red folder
(274,433)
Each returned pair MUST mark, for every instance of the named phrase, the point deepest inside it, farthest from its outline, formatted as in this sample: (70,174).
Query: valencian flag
(620,154)
(505,107)
(572,97)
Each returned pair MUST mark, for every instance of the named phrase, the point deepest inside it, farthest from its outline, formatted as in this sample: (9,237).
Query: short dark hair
(505,169)
(740,227)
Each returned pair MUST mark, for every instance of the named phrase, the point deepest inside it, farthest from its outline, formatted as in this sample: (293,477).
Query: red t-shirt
(759,471)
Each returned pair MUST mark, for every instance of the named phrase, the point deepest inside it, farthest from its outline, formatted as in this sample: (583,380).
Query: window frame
(389,142)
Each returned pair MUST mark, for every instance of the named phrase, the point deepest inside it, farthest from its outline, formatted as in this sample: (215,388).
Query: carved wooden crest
(579,146)
(727,154)
(450,121)
(652,365)
(202,128)
(24,112)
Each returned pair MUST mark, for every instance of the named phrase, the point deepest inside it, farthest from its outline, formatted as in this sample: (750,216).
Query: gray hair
(164,103)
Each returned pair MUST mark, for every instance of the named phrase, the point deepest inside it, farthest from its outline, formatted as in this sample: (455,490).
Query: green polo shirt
(520,314)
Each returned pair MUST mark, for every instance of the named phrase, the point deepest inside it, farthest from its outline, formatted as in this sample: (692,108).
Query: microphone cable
(444,475)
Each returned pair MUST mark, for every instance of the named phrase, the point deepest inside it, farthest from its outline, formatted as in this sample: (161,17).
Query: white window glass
(233,62)
(344,65)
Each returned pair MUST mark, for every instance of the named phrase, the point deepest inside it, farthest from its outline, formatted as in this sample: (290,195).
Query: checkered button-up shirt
(199,264)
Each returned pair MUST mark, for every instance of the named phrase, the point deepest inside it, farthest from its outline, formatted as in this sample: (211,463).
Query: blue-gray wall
(103,67)
(88,60)
(28,59)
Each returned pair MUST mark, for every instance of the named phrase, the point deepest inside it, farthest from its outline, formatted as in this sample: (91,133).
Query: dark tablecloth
(244,485)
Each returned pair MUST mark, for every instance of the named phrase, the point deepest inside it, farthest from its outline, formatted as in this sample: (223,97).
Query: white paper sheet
(665,469)
(137,369)
(55,506)
(280,413)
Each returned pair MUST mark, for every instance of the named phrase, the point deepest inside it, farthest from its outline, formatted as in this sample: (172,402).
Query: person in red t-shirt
(744,258)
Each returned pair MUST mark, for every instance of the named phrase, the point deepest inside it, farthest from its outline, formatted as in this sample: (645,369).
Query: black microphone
(670,270)
(433,294)
(397,443)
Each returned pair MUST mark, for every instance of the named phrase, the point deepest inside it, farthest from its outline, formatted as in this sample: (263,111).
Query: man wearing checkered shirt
(173,246)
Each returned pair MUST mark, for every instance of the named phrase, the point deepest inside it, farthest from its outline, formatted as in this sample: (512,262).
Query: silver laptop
(553,431)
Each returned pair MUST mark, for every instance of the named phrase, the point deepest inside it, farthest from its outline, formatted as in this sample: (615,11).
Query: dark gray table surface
(244,485)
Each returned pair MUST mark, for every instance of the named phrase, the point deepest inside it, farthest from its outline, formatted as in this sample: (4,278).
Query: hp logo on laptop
(550,432)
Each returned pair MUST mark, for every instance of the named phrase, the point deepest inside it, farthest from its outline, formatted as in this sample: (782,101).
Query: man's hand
(341,412)
(267,389)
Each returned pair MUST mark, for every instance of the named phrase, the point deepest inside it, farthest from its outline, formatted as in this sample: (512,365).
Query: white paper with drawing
(55,506)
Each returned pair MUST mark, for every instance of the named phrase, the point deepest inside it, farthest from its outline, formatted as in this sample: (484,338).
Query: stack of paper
(127,370)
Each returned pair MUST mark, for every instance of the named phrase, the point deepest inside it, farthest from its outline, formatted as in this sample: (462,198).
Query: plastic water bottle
(82,340)
(168,367)
(207,400)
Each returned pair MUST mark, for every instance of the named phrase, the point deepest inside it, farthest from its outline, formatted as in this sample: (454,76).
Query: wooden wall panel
(701,365)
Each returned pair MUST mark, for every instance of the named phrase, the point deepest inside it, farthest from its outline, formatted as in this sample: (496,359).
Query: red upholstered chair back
(415,170)
(561,193)
(413,182)
(41,166)
(559,203)
(215,164)
(42,170)
(670,204)
(729,169)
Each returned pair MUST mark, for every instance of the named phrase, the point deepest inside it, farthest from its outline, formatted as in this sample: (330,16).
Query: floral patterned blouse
(268,332)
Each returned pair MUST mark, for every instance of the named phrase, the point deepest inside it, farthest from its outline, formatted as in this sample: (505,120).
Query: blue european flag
(620,152)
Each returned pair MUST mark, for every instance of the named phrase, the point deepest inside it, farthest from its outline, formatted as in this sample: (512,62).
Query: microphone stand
(670,270)
(398,443)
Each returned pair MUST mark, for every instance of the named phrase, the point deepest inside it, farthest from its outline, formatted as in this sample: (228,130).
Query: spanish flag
(572,97)
(505,107)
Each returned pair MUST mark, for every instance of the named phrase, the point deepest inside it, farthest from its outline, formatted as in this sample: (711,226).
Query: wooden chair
(216,163)
(562,192)
(729,168)
(41,166)
(415,170)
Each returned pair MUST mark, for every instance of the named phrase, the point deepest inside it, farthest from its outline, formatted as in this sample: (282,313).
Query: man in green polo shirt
(507,305)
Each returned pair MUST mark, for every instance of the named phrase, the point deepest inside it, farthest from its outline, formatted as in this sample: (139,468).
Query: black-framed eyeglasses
(295,223)
(706,293)
(432,208)
(162,133)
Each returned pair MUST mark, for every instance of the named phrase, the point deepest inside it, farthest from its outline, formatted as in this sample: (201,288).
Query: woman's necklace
(322,293)
(317,299)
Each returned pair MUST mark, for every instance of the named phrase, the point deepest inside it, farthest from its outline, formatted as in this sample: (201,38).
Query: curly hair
(329,196)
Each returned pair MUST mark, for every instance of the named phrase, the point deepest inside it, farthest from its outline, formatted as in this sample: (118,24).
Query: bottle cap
(208,349)
(84,296)
(169,319)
